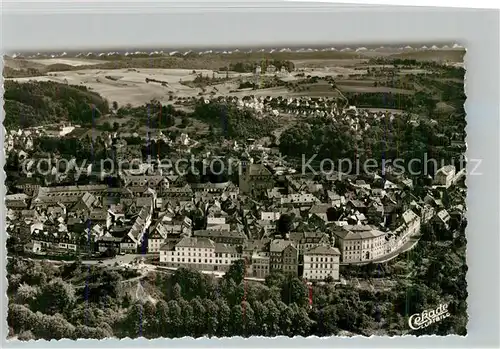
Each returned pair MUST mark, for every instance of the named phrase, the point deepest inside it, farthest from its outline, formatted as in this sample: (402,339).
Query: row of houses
(261,257)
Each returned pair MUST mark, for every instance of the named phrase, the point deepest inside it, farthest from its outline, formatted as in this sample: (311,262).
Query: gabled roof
(320,208)
(258,170)
(196,242)
(357,232)
(315,235)
(409,216)
(323,250)
(279,245)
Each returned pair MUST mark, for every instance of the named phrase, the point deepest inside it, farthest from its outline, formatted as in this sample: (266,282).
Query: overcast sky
(118,28)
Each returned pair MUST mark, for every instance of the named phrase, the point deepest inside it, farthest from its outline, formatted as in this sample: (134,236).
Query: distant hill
(452,55)
(43,102)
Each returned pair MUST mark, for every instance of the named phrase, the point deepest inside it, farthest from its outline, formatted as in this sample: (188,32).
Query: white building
(321,262)
(444,176)
(270,216)
(157,237)
(360,243)
(199,254)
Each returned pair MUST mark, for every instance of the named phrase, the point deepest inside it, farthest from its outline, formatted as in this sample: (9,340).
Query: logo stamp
(427,318)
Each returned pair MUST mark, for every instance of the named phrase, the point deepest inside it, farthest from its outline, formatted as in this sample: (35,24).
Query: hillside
(44,102)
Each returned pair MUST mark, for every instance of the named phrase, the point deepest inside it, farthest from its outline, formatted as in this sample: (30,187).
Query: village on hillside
(274,184)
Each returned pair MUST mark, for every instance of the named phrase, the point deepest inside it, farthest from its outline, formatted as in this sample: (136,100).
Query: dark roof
(323,250)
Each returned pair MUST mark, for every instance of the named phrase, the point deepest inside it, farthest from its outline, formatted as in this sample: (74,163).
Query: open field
(372,89)
(321,63)
(68,61)
(129,86)
(128,80)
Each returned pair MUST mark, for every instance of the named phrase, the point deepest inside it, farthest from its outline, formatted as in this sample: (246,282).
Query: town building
(255,179)
(444,176)
(284,257)
(321,262)
(198,253)
(309,240)
(360,243)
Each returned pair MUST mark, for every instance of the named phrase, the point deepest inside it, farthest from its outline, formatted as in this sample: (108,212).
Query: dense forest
(231,122)
(43,102)
(384,139)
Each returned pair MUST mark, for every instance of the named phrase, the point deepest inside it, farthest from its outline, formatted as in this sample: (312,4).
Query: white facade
(361,243)
(216,220)
(205,257)
(321,262)
(445,175)
(270,216)
(155,244)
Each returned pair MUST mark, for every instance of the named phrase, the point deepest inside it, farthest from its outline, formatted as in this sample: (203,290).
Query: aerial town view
(236,192)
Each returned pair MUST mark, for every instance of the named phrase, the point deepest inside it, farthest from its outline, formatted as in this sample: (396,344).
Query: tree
(115,105)
(185,122)
(175,324)
(285,224)
(224,314)
(294,291)
(272,318)
(199,323)
(188,317)
(116,126)
(83,331)
(211,316)
(162,319)
(21,318)
(26,336)
(133,323)
(56,297)
(27,294)
(177,293)
(236,271)
(275,279)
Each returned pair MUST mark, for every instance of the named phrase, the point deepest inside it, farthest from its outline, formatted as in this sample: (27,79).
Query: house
(356,205)
(320,210)
(140,226)
(412,222)
(256,179)
(157,237)
(146,181)
(283,257)
(271,69)
(33,247)
(360,243)
(308,240)
(442,219)
(17,201)
(259,267)
(222,236)
(29,186)
(101,216)
(199,254)
(335,199)
(270,216)
(109,242)
(216,221)
(321,262)
(444,176)
(67,241)
(302,199)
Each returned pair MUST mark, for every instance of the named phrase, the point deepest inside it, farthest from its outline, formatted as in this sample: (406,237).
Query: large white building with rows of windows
(321,262)
(199,254)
